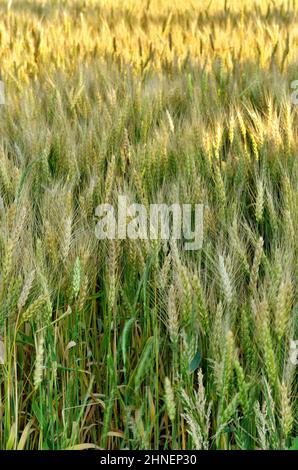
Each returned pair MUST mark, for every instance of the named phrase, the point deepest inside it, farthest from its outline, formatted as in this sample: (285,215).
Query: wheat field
(140,344)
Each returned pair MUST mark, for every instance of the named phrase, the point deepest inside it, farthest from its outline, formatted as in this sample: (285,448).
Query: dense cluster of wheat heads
(140,344)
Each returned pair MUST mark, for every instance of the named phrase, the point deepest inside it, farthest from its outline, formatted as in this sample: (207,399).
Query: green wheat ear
(76,277)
